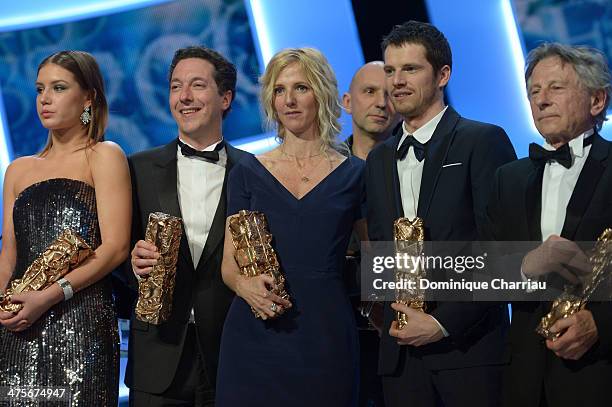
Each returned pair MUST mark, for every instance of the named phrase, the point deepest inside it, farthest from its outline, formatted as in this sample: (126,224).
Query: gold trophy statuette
(155,291)
(254,253)
(64,254)
(409,236)
(574,299)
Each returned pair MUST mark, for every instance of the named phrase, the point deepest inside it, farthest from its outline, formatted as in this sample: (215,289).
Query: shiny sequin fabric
(76,343)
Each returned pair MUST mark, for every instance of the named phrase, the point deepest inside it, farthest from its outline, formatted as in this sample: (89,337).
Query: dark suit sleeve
(372,190)
(491,150)
(136,230)
(602,314)
(493,211)
(361,209)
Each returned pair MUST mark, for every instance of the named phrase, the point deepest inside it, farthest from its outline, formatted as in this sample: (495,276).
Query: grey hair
(590,66)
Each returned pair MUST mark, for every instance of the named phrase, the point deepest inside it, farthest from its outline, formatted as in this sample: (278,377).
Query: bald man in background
(372,119)
(372,114)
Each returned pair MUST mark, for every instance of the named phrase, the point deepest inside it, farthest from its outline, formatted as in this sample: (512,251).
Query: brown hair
(87,74)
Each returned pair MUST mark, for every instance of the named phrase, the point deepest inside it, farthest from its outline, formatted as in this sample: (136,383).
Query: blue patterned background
(575,22)
(134,50)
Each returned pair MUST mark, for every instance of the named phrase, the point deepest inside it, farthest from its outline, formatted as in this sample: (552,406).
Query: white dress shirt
(199,184)
(558,184)
(410,172)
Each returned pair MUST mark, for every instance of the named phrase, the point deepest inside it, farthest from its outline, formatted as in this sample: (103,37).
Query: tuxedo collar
(167,155)
(435,155)
(217,228)
(165,179)
(165,176)
(391,178)
(586,185)
(424,133)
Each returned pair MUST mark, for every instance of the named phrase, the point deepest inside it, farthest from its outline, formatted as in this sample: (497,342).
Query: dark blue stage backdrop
(134,49)
(576,22)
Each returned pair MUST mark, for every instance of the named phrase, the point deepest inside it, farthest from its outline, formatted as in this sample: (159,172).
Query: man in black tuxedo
(562,192)
(439,167)
(175,363)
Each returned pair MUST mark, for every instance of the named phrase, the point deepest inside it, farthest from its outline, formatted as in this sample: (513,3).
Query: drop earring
(86,116)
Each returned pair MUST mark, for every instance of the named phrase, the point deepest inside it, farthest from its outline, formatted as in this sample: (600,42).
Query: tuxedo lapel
(389,162)
(435,155)
(533,202)
(585,186)
(165,179)
(217,229)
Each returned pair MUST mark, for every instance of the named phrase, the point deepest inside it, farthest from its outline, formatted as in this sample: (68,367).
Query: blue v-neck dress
(309,355)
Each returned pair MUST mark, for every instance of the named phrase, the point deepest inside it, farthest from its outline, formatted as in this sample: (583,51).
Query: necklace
(282,150)
(305,177)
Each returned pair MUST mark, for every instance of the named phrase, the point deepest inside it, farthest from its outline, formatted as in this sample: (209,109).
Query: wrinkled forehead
(552,69)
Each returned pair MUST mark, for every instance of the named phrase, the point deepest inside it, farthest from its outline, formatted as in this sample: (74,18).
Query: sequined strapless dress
(74,345)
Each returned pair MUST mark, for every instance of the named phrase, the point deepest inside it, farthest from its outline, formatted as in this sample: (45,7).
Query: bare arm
(8,256)
(114,203)
(113,199)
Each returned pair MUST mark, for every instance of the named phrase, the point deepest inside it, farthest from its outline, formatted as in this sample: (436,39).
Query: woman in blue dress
(303,352)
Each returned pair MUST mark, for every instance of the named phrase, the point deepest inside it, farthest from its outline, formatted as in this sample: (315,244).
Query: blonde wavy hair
(320,78)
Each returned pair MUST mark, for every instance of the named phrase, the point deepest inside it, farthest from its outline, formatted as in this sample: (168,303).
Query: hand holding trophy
(409,236)
(575,297)
(254,253)
(155,291)
(66,252)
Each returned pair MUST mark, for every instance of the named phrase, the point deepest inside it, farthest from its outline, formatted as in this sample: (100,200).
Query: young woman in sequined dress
(80,182)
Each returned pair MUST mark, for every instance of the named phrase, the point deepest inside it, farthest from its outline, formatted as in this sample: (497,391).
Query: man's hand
(579,336)
(557,255)
(144,257)
(420,330)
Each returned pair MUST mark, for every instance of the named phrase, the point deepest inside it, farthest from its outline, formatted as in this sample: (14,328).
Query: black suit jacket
(154,351)
(515,213)
(452,203)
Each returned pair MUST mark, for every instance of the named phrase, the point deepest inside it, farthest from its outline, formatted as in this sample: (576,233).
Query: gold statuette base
(600,258)
(65,253)
(155,291)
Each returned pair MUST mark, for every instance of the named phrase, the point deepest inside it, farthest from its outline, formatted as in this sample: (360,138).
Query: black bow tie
(562,155)
(419,148)
(188,151)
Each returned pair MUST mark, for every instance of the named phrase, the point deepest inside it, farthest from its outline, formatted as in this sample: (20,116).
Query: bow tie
(419,148)
(188,151)
(562,155)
